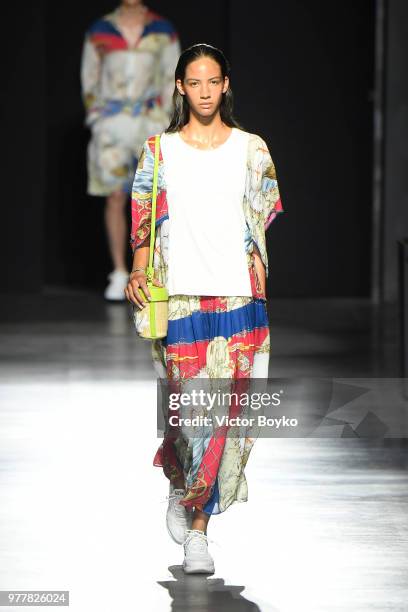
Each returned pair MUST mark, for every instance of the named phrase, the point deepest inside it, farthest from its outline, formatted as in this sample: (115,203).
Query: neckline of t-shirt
(233,129)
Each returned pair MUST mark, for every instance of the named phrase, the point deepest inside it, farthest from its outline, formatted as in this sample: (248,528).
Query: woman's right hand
(138,280)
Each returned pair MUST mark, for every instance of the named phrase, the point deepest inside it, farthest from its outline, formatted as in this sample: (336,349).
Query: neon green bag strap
(150,269)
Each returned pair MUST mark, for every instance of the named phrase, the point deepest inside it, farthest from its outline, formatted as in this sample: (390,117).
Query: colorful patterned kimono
(127,92)
(222,337)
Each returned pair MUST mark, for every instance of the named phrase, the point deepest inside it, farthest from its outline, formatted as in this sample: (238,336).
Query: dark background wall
(302,76)
(305,81)
(23,135)
(395,213)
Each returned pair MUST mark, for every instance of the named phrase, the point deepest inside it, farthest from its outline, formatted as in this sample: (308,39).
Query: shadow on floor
(199,593)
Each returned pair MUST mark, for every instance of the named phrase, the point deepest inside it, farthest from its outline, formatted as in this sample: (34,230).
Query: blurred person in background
(127,79)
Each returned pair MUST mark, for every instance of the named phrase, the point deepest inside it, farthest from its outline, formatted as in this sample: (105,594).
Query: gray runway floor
(82,508)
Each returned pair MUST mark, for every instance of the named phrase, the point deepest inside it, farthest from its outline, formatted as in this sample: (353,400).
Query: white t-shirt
(205,190)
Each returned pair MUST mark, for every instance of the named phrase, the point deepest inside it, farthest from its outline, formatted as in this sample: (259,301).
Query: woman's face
(203,85)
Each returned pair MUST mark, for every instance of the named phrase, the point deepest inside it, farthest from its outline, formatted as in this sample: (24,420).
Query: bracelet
(139,270)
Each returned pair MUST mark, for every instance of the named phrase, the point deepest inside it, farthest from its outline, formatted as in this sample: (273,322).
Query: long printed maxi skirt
(211,337)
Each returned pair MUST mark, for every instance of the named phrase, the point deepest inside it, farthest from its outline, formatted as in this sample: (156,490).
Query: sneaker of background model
(197,559)
(178,519)
(118,280)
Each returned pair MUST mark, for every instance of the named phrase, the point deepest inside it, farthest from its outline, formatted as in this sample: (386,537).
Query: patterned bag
(151,321)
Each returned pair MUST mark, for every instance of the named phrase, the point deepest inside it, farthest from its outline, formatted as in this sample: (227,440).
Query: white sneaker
(178,519)
(197,559)
(118,279)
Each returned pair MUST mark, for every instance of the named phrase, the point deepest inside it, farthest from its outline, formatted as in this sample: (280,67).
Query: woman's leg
(200,520)
(116,228)
(179,483)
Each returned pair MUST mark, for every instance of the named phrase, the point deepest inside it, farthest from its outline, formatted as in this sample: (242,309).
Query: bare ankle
(179,484)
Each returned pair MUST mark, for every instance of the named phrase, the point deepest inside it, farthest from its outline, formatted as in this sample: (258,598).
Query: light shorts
(114,147)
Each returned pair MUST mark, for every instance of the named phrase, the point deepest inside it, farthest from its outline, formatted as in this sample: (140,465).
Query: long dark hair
(181,107)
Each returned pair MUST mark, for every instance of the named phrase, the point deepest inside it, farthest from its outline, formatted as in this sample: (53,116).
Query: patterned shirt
(116,75)
(261,204)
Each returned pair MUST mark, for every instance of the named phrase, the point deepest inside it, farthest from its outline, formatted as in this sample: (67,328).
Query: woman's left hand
(260,272)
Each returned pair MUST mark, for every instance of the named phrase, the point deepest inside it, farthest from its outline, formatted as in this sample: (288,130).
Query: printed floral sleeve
(142,198)
(90,79)
(271,201)
(142,195)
